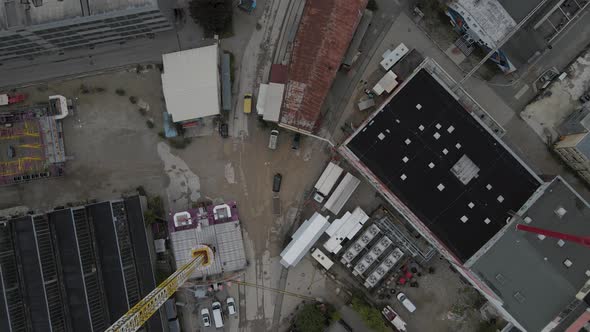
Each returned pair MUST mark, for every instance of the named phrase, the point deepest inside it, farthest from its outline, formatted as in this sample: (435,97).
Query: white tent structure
(270,98)
(303,239)
(191,83)
(344,228)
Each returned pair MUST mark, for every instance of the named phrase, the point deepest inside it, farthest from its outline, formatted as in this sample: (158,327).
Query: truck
(327,181)
(6,99)
(392,317)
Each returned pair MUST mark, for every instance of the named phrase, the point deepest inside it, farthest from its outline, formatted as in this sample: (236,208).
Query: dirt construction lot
(112,151)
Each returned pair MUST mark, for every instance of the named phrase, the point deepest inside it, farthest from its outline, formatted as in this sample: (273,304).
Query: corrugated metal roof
(278,73)
(325,30)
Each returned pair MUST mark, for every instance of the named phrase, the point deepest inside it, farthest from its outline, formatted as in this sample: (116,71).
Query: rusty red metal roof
(278,73)
(325,30)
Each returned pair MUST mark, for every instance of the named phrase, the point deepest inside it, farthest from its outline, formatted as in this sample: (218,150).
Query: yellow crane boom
(144,309)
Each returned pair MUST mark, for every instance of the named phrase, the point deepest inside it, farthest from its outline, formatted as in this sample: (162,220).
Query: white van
(406,302)
(216,306)
(274,137)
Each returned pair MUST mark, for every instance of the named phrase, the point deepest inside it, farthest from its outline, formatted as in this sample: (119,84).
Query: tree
(370,315)
(213,15)
(310,319)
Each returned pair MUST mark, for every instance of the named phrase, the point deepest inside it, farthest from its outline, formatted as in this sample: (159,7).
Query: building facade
(574,144)
(575,151)
(32,28)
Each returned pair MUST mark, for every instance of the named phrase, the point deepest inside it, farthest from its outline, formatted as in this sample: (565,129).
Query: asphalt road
(517,90)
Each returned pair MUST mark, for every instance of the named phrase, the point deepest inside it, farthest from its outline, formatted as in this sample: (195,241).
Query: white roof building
(270,99)
(191,83)
(303,239)
(344,228)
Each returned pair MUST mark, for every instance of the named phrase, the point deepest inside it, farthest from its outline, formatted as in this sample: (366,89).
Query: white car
(206,317)
(406,302)
(231,306)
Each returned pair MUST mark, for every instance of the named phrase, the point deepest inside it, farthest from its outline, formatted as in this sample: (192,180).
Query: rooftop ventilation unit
(560,212)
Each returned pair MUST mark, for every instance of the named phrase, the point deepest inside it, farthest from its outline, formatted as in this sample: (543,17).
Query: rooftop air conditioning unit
(378,251)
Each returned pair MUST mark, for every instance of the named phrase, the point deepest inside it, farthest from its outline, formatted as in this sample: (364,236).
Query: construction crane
(583,240)
(584,293)
(202,256)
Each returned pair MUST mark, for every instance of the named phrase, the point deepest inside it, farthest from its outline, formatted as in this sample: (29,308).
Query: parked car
(406,302)
(231,306)
(206,317)
(296,141)
(247,103)
(217,318)
(274,138)
(223,130)
(394,318)
(276,182)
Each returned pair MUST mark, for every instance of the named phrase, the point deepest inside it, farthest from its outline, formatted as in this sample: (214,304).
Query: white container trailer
(342,193)
(328,179)
(390,58)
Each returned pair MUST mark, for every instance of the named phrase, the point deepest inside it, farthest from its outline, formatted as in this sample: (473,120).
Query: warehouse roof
(191,83)
(325,30)
(451,172)
(526,269)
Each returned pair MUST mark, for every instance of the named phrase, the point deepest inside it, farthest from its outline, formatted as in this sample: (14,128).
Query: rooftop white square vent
(421,127)
(381,136)
(528,220)
(418,106)
(403,177)
(487,220)
(436,135)
(445,151)
(451,129)
(568,263)
(438,126)
(440,187)
(405,159)
(464,219)
(560,212)
(408,141)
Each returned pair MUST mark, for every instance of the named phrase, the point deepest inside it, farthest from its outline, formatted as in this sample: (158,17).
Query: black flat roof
(110,261)
(31,273)
(143,262)
(72,275)
(411,147)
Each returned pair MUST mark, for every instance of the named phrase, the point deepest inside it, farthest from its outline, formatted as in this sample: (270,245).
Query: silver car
(206,317)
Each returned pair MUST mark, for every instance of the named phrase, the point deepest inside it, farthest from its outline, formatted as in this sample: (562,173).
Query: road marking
(522,91)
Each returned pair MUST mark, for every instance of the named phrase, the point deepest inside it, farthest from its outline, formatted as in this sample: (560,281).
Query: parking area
(551,25)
